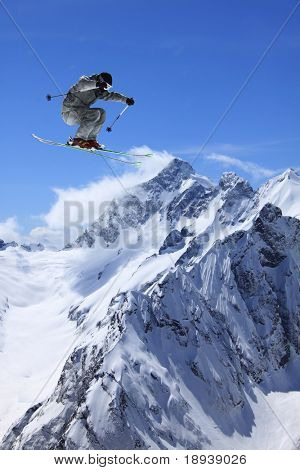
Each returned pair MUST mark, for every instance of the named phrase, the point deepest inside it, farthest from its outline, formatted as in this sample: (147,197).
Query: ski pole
(109,129)
(49,97)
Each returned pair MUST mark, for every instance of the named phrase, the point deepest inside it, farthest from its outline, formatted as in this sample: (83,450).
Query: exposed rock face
(4,245)
(174,241)
(33,247)
(26,247)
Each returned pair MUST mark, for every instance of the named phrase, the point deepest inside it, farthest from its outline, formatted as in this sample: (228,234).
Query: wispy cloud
(10,230)
(256,171)
(243,149)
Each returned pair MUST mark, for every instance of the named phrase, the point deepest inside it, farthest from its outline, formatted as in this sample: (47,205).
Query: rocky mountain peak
(230,180)
(172,176)
(289,174)
(178,167)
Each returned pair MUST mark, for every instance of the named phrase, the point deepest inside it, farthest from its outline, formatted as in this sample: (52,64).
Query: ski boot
(93,144)
(78,142)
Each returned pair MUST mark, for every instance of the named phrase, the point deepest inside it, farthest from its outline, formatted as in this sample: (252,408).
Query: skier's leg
(70,117)
(89,121)
(97,124)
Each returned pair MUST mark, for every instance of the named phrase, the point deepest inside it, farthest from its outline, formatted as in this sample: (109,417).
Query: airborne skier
(76,108)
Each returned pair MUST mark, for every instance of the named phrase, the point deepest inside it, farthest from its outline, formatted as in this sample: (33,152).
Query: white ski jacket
(85,92)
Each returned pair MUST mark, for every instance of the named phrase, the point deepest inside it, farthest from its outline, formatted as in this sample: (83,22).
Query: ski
(116,152)
(92,151)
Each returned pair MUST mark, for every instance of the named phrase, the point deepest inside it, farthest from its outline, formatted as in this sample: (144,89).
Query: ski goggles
(108,86)
(105,85)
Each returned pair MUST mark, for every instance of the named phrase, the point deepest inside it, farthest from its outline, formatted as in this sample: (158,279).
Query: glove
(130,101)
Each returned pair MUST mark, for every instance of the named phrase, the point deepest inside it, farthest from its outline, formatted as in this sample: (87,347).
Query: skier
(76,108)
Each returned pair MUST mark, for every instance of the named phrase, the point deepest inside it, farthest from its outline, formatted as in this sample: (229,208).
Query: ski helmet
(106,77)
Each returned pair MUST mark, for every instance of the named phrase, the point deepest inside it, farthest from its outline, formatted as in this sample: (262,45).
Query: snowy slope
(173,322)
(283,191)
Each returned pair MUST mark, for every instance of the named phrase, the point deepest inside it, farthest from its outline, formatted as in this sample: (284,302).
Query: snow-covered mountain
(27,247)
(171,323)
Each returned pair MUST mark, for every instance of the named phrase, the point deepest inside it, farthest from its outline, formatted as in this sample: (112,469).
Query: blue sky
(182,62)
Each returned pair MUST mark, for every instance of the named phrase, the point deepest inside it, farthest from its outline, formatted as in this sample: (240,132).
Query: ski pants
(90,121)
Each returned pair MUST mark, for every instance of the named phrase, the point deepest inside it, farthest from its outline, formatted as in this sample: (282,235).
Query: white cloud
(49,237)
(9,230)
(256,171)
(84,204)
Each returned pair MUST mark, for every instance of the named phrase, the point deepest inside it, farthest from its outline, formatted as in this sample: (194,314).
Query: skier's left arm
(113,96)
